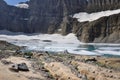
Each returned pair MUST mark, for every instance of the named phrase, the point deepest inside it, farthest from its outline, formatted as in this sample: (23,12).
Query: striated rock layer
(100,5)
(42,16)
(47,15)
(105,29)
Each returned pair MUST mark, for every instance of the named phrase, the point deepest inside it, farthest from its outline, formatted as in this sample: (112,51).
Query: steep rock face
(13,18)
(44,16)
(3,13)
(18,18)
(106,30)
(100,5)
(47,15)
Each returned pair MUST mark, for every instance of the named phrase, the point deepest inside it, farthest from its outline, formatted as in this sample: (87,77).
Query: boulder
(91,60)
(22,67)
(19,67)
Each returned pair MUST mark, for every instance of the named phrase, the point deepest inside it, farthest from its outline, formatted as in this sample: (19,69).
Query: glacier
(83,16)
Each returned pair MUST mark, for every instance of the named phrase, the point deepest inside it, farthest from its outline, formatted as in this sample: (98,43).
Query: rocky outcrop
(19,67)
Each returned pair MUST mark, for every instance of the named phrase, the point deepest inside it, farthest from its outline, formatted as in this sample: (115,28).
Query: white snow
(23,5)
(83,16)
(56,38)
(59,43)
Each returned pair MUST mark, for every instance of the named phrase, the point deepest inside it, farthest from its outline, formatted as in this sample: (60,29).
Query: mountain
(55,16)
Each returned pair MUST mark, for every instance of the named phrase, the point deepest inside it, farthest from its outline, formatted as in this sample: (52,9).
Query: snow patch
(22,5)
(83,16)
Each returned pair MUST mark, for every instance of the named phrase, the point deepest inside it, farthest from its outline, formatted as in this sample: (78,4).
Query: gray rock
(91,60)
(22,67)
(19,67)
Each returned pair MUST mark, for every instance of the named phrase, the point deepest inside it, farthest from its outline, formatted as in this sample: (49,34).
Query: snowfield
(83,16)
(23,5)
(59,43)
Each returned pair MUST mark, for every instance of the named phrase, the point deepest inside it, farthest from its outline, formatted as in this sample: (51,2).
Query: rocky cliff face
(105,30)
(43,16)
(13,18)
(47,15)
(18,19)
(101,5)
(3,13)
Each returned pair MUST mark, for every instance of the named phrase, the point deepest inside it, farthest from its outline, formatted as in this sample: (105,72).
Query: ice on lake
(59,43)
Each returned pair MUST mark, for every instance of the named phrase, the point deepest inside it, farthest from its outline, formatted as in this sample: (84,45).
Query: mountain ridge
(50,16)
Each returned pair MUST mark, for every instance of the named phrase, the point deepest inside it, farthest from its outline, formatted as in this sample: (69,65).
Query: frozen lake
(59,43)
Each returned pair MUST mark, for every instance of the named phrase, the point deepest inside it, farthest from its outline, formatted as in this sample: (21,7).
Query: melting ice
(59,43)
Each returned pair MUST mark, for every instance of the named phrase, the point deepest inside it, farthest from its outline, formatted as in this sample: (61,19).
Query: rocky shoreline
(46,66)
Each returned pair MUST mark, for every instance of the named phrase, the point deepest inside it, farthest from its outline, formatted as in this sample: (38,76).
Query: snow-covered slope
(83,16)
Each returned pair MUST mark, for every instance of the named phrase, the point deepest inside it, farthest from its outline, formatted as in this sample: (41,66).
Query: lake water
(59,43)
